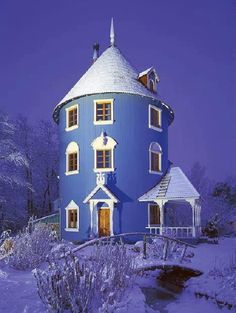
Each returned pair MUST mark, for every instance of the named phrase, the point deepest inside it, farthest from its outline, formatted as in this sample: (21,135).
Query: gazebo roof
(173,186)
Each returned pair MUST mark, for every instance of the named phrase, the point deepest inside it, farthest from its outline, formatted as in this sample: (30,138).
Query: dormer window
(72,117)
(149,79)
(103,111)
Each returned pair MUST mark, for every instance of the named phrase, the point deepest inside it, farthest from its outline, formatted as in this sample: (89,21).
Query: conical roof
(111,72)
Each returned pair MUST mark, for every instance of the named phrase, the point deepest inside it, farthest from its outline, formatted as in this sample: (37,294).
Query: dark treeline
(28,170)
(218,198)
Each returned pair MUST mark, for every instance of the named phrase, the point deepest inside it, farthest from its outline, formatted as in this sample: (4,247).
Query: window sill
(71,128)
(154,172)
(159,129)
(97,170)
(72,229)
(103,122)
(71,173)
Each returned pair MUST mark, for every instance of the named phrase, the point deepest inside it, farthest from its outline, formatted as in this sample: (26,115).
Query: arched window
(72,217)
(103,147)
(72,158)
(155,156)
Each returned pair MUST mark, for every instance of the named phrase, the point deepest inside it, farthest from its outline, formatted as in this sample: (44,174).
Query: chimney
(95,52)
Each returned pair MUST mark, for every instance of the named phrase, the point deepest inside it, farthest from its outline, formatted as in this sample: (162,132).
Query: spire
(112,34)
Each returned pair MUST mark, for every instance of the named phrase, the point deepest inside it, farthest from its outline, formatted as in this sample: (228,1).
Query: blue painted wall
(131,178)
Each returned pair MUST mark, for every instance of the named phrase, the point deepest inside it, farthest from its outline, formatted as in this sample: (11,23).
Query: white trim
(67,128)
(105,189)
(100,101)
(92,204)
(72,147)
(72,229)
(72,206)
(160,160)
(103,142)
(149,118)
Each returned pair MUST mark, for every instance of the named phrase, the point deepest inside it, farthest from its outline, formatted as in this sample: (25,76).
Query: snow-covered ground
(18,292)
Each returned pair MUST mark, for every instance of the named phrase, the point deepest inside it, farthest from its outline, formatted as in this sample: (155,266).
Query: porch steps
(163,186)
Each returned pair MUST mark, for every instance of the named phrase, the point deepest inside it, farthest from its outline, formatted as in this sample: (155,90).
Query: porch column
(111,205)
(91,207)
(192,203)
(161,205)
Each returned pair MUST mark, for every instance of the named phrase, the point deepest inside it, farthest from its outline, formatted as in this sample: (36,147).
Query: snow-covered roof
(111,72)
(145,72)
(174,185)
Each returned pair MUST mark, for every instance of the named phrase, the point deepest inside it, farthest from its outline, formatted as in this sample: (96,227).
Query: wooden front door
(104,222)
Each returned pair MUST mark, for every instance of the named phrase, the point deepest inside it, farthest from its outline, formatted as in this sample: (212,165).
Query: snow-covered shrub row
(31,246)
(90,285)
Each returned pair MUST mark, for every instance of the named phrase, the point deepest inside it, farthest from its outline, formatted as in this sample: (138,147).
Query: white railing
(175,231)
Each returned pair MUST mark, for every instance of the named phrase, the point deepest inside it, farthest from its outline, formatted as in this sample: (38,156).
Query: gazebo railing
(172,231)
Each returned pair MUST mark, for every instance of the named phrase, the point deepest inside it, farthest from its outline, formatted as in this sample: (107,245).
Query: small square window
(155,118)
(103,111)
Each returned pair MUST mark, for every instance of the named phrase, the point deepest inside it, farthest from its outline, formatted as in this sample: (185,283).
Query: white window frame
(150,159)
(101,101)
(72,107)
(149,117)
(72,147)
(103,143)
(72,206)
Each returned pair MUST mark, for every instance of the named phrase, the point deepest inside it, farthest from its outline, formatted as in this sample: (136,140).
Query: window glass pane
(155,162)
(155,118)
(103,158)
(72,218)
(103,111)
(72,117)
(154,214)
(72,162)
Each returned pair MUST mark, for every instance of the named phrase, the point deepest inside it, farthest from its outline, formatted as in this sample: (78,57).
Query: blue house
(115,176)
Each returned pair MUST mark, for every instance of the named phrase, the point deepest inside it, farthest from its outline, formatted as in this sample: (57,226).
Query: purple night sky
(47,45)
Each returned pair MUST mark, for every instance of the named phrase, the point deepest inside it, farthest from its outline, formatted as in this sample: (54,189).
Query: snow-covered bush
(31,246)
(84,285)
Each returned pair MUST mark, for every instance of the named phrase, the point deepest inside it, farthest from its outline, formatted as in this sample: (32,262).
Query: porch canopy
(175,186)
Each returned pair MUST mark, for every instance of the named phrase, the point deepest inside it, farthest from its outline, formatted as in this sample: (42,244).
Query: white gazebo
(174,187)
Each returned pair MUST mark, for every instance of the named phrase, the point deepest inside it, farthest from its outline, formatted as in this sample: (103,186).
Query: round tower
(113,132)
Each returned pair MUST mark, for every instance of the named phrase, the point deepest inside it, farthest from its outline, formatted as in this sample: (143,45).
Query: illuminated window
(103,111)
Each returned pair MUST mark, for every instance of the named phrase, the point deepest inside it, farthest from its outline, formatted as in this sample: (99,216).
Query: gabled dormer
(149,79)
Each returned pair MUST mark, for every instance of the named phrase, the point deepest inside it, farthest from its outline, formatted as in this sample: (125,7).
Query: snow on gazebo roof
(173,186)
(111,72)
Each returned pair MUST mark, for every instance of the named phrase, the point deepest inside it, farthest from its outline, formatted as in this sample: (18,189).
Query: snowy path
(18,292)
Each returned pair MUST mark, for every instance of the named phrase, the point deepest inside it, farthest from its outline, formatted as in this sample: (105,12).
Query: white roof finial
(112,33)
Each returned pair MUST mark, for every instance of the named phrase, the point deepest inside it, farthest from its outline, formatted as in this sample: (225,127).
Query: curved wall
(131,177)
